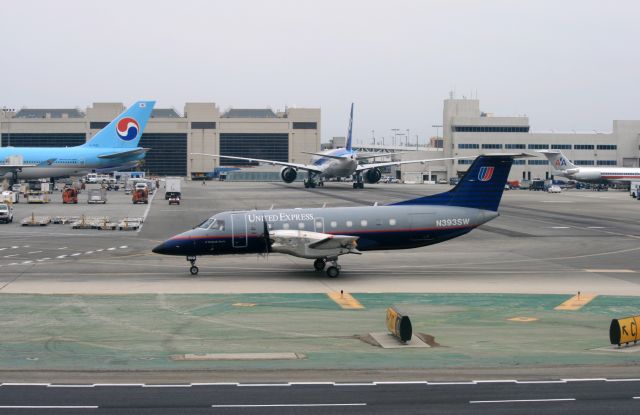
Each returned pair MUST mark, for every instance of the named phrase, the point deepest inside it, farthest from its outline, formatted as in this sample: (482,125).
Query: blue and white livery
(339,163)
(115,147)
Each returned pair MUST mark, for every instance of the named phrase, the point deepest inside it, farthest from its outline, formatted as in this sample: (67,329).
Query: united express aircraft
(323,234)
(115,147)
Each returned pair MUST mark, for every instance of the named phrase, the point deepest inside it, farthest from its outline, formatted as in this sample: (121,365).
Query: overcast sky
(568,65)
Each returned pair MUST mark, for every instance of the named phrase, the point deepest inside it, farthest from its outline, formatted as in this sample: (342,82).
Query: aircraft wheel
(355,185)
(306,184)
(333,272)
(319,264)
(194,270)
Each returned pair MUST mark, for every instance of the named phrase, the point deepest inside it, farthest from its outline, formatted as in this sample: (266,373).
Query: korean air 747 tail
(480,188)
(126,129)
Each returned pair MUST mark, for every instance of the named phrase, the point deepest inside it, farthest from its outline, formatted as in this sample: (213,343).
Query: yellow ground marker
(345,300)
(576,302)
(523,319)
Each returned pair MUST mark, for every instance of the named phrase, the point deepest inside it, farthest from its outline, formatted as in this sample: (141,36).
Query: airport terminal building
(203,128)
(287,135)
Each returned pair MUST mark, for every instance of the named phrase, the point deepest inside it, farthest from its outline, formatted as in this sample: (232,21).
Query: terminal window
(266,146)
(584,162)
(203,125)
(607,147)
(43,139)
(583,146)
(538,162)
(305,125)
(463,161)
(490,129)
(538,146)
(98,125)
(607,163)
(470,145)
(515,146)
(494,146)
(168,154)
(561,146)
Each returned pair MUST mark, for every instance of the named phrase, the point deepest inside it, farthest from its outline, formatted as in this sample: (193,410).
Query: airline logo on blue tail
(127,128)
(485,173)
(561,162)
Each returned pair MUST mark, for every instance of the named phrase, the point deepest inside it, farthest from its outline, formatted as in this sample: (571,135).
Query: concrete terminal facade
(287,135)
(260,133)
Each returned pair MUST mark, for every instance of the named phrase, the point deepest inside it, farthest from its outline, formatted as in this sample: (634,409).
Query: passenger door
(239,230)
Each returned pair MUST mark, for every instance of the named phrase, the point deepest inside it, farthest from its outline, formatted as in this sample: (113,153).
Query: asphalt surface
(542,244)
(573,396)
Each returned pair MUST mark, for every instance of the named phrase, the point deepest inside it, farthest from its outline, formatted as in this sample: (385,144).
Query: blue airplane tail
(126,129)
(480,188)
(349,133)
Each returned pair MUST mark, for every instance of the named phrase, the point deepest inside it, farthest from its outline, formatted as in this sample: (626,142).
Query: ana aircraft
(115,147)
(323,234)
(339,163)
(563,167)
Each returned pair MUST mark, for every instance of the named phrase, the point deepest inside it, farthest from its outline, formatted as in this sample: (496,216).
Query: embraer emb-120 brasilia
(115,147)
(338,163)
(323,234)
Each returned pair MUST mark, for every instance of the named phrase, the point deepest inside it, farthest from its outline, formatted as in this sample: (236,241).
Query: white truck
(634,187)
(6,212)
(172,187)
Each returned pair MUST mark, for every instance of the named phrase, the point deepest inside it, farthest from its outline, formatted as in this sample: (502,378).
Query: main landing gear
(358,183)
(334,269)
(310,182)
(193,270)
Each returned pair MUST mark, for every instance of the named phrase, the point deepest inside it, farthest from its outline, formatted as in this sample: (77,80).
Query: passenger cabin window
(301,225)
(334,224)
(349,224)
(363,222)
(392,222)
(285,226)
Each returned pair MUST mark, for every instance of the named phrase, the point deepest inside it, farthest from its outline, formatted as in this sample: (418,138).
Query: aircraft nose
(161,249)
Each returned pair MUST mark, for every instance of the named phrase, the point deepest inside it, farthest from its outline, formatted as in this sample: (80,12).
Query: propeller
(265,236)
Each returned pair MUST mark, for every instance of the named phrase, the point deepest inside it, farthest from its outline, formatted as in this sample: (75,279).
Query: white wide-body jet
(337,163)
(563,167)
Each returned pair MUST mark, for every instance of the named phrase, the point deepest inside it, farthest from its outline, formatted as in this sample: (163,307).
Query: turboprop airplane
(115,147)
(340,162)
(323,234)
(563,167)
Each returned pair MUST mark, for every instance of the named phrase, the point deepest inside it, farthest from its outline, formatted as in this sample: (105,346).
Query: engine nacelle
(373,176)
(587,176)
(288,174)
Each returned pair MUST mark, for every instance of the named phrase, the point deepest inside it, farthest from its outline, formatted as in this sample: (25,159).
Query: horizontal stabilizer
(326,155)
(125,153)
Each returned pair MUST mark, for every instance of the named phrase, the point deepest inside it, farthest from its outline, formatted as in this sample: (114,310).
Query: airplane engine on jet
(587,176)
(373,176)
(288,174)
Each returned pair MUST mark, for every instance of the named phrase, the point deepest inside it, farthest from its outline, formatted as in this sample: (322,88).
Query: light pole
(373,136)
(395,134)
(408,136)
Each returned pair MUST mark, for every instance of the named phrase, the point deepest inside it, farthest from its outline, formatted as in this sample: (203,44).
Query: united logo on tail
(127,128)
(485,173)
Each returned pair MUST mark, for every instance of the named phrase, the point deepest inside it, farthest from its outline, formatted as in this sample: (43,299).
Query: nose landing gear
(193,270)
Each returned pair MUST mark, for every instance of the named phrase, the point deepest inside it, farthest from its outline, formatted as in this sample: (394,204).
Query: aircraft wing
(368,166)
(125,153)
(365,156)
(307,167)
(325,155)
(334,241)
(305,244)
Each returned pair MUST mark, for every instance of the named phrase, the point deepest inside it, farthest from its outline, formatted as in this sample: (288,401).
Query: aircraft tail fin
(126,129)
(350,131)
(480,188)
(557,160)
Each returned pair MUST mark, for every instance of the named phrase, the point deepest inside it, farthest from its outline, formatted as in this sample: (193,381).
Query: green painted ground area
(47,332)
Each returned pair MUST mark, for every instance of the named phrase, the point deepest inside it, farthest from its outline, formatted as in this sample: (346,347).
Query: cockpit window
(206,224)
(217,225)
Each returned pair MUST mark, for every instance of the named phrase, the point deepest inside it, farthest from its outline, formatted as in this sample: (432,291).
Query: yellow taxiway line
(576,302)
(345,300)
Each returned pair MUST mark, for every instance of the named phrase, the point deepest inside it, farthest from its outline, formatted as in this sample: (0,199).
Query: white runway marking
(64,247)
(289,405)
(9,256)
(560,227)
(34,252)
(76,254)
(26,262)
(14,247)
(123,247)
(61,256)
(99,250)
(595,227)
(525,400)
(110,249)
(88,252)
(43,259)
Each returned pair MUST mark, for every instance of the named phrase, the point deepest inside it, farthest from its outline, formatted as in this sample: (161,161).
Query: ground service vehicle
(70,195)
(97,196)
(633,189)
(172,187)
(6,213)
(174,200)
(140,195)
